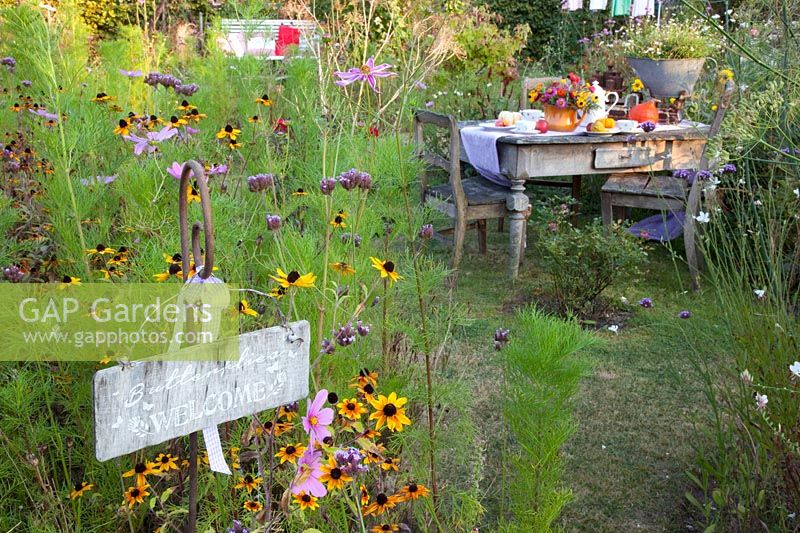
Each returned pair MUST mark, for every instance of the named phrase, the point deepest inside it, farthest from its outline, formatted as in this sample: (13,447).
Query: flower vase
(561,119)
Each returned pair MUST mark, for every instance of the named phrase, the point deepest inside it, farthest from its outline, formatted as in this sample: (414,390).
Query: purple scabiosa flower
(703,175)
(647,303)
(362,329)
(500,338)
(419,84)
(326,185)
(365,181)
(349,179)
(728,168)
(685,314)
(186,90)
(375,301)
(152,79)
(9,62)
(12,166)
(13,274)
(648,126)
(131,73)
(170,81)
(273,222)
(584,40)
(426,231)
(346,238)
(683,173)
(349,460)
(429,104)
(346,335)
(238,527)
(327,347)
(27,83)
(260,182)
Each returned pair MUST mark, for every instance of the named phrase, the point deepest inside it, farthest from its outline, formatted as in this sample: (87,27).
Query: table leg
(517,204)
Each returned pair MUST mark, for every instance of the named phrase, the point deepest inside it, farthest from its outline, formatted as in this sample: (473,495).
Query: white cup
(532,114)
(526,125)
(627,125)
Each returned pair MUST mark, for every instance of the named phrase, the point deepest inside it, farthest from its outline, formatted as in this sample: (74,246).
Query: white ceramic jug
(602,99)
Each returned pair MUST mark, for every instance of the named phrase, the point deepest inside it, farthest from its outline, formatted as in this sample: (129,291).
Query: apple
(589,126)
(499,123)
(542,125)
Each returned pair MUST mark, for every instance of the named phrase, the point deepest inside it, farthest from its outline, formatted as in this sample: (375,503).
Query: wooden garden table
(524,158)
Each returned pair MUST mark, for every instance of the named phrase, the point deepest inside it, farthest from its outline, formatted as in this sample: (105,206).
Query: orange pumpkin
(644,112)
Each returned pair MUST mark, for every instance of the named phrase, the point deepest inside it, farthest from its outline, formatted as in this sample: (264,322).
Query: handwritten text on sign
(149,403)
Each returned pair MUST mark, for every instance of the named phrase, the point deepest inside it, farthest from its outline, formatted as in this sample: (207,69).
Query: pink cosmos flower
(367,73)
(131,73)
(175,169)
(317,419)
(140,144)
(561,103)
(309,471)
(43,113)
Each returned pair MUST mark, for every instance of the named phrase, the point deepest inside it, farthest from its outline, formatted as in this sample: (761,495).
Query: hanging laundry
(572,5)
(642,8)
(620,7)
(597,5)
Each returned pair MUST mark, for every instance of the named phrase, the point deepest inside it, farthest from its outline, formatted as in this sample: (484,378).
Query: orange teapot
(645,111)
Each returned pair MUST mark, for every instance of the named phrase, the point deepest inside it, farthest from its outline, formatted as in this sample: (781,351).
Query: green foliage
(673,39)
(584,261)
(105,16)
(542,371)
(542,16)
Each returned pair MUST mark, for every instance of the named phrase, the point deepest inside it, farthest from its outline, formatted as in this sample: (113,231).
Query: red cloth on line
(287,36)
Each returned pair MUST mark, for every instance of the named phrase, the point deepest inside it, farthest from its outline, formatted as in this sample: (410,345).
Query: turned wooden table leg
(517,205)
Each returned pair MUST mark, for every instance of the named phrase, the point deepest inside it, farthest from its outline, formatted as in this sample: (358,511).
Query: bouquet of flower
(569,92)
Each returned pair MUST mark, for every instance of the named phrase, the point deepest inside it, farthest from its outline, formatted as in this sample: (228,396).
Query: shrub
(583,262)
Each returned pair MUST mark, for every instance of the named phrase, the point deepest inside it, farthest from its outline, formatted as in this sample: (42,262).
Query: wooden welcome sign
(149,403)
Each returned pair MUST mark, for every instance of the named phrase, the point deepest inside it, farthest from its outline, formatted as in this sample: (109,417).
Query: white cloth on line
(572,5)
(641,8)
(597,5)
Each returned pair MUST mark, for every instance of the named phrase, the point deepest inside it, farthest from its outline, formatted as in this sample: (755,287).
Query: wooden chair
(528,84)
(665,193)
(468,202)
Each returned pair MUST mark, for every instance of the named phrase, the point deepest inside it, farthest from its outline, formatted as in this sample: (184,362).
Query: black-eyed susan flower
(390,411)
(343,268)
(287,414)
(234,451)
(69,280)
(352,408)
(380,528)
(16,108)
(195,115)
(306,501)
(245,309)
(386,268)
(290,453)
(277,292)
(413,491)
(118,259)
(264,100)
(186,106)
(381,504)
(363,495)
(110,272)
(333,476)
(300,192)
(80,489)
(136,495)
(101,249)
(141,471)
(115,108)
(174,259)
(192,195)
(102,98)
(294,279)
(173,270)
(248,482)
(123,127)
(252,506)
(367,390)
(233,144)
(255,119)
(338,222)
(50,123)
(228,132)
(390,463)
(176,122)
(364,376)
(166,462)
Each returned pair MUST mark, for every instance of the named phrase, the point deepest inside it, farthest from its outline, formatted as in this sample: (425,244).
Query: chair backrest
(450,164)
(716,123)
(528,84)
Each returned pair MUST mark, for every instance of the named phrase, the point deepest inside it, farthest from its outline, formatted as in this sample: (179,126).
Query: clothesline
(633,8)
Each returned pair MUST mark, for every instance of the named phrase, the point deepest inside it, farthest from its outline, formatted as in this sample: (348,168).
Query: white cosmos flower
(794,368)
(614,329)
(703,217)
(746,377)
(796,192)
(761,401)
(759,293)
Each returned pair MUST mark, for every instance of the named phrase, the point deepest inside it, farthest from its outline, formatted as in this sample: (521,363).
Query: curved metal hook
(183,216)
